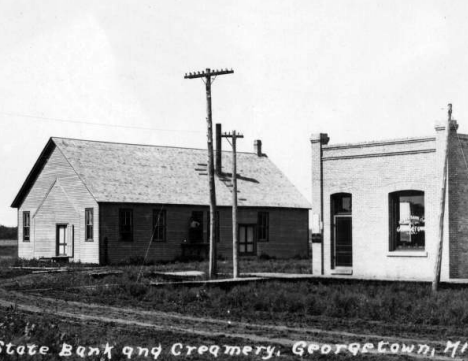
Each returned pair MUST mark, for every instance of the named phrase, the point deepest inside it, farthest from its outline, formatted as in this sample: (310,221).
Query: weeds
(405,303)
(409,303)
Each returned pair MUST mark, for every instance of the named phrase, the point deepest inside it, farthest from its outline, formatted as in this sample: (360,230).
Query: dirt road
(208,327)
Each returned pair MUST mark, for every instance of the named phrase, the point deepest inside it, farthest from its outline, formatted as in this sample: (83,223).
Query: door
(343,241)
(61,239)
(246,240)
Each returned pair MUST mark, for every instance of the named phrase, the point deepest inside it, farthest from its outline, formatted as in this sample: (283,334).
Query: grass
(298,302)
(407,303)
(324,304)
(247,265)
(45,329)
(395,302)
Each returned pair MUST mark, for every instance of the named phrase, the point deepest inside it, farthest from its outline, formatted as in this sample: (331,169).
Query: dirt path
(182,324)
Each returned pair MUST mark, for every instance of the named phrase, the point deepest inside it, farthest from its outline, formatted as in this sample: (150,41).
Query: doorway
(61,240)
(342,230)
(343,241)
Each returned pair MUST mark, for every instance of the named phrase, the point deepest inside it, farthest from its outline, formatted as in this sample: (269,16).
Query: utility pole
(436,281)
(235,237)
(206,76)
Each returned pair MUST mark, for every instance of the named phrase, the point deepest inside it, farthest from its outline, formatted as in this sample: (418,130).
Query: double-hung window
(263,226)
(89,221)
(26,226)
(126,225)
(159,225)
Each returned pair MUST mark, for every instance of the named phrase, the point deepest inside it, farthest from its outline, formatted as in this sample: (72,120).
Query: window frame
(393,214)
(263,227)
(64,244)
(247,226)
(125,235)
(337,208)
(27,215)
(88,231)
(159,216)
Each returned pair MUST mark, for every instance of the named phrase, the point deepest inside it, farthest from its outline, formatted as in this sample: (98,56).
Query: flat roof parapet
(377,143)
(382,148)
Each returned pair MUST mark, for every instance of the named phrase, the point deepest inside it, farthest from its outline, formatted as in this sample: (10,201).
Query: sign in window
(407,220)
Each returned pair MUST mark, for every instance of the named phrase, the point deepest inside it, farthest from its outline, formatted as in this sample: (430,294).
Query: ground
(126,307)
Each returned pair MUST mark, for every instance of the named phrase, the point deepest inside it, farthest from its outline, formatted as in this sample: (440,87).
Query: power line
(235,239)
(62,120)
(207,76)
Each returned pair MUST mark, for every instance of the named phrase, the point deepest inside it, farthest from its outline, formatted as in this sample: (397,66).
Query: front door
(343,241)
(246,240)
(61,239)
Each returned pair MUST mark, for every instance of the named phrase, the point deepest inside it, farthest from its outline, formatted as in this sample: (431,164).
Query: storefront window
(407,220)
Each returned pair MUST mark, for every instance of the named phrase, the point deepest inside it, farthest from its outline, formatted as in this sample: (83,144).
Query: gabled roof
(116,172)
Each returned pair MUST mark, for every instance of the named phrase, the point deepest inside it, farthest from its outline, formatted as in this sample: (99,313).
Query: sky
(114,71)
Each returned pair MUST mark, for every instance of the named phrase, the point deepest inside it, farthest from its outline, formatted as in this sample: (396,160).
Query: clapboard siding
(58,196)
(72,175)
(177,230)
(288,231)
(48,217)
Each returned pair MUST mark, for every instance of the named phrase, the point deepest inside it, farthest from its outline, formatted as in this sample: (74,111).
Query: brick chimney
(218,155)
(258,147)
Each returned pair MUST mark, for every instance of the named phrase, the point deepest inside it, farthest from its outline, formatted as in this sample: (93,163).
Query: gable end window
(159,225)
(263,226)
(26,226)
(407,221)
(126,225)
(89,221)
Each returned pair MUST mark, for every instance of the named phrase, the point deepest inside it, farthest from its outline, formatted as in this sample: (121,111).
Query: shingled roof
(116,172)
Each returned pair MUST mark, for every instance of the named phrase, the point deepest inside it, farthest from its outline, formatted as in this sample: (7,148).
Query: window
(341,203)
(126,225)
(247,239)
(26,226)
(407,222)
(159,225)
(89,220)
(263,226)
(216,226)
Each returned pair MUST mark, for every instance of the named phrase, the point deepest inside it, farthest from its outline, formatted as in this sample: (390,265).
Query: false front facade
(375,207)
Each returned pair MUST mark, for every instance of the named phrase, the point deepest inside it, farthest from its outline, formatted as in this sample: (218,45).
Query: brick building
(375,207)
(99,202)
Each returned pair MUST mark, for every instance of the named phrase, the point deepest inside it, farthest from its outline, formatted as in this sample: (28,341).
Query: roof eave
(33,174)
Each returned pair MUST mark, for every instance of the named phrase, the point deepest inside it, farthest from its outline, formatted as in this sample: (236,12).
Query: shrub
(265,257)
(136,290)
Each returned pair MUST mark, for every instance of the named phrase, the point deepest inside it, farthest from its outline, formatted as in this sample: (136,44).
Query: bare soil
(214,330)
(124,318)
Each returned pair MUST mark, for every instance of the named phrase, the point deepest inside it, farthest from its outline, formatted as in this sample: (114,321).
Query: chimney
(218,163)
(258,147)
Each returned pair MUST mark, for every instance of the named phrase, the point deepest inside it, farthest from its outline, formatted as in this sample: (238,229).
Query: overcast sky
(357,70)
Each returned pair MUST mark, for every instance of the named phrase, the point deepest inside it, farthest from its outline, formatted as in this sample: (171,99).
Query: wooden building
(100,202)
